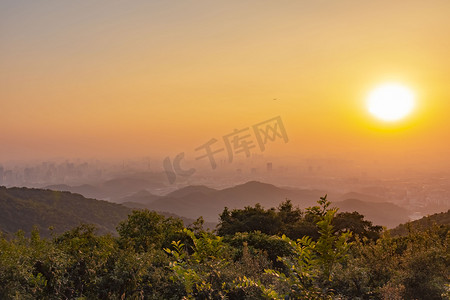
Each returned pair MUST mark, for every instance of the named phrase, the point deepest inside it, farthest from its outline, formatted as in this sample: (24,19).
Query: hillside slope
(441,219)
(380,213)
(194,201)
(21,208)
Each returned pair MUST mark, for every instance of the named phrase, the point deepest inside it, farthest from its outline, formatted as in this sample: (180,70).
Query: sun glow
(391,102)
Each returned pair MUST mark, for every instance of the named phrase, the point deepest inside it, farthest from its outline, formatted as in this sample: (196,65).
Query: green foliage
(30,268)
(157,258)
(355,223)
(200,272)
(249,219)
(413,267)
(292,222)
(87,254)
(145,229)
(309,268)
(209,271)
(440,219)
(257,242)
(23,208)
(81,265)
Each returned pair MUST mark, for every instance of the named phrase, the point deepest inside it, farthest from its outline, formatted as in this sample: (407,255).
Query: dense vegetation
(56,212)
(442,218)
(23,208)
(256,253)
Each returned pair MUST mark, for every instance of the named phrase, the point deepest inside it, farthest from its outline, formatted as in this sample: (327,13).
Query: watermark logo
(238,142)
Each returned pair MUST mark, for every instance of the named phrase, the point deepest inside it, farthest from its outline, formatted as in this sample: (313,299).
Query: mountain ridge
(193,201)
(23,208)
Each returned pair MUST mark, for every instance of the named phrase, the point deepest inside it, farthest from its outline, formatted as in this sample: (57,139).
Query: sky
(113,79)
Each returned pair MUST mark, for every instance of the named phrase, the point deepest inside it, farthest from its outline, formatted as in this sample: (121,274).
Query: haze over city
(338,98)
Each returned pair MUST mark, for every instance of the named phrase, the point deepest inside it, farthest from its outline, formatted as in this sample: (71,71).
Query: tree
(412,267)
(309,270)
(145,229)
(249,219)
(355,223)
(86,255)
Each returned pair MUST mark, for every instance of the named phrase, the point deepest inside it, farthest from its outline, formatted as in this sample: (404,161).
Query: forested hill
(440,219)
(21,208)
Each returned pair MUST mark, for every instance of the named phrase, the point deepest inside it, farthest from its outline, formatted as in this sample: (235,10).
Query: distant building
(269,167)
(8,177)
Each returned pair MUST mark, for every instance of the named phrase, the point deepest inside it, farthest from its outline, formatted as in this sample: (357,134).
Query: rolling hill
(194,201)
(441,219)
(380,213)
(23,208)
(197,201)
(116,188)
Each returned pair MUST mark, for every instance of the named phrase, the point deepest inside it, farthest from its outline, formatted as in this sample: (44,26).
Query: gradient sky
(154,78)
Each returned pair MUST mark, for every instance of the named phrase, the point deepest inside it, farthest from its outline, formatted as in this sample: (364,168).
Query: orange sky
(154,78)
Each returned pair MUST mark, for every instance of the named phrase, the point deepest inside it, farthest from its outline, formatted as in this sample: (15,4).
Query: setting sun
(391,102)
